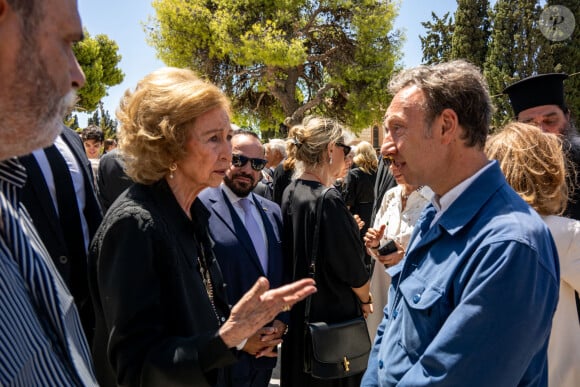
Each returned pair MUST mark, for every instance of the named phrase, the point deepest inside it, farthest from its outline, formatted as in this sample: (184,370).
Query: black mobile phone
(387,248)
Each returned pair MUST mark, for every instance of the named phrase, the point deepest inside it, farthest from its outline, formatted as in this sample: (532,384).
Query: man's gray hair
(278,145)
(457,85)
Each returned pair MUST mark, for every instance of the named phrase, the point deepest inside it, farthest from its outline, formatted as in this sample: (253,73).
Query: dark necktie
(68,209)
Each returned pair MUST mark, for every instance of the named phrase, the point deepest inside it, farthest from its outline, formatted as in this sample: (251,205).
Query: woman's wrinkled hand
(259,306)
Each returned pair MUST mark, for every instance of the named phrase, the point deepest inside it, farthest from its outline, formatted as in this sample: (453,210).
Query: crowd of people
(185,256)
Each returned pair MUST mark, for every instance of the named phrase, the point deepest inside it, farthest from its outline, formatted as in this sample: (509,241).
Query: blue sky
(122,21)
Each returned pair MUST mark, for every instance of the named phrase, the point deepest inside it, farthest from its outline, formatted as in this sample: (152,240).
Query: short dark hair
(92,132)
(457,85)
(246,131)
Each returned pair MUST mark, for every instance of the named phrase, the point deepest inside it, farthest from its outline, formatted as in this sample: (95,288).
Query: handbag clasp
(345,364)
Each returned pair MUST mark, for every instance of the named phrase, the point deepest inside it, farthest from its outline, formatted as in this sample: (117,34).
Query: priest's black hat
(537,90)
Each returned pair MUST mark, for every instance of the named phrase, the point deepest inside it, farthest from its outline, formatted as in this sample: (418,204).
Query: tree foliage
(517,50)
(281,60)
(507,43)
(471,31)
(566,56)
(99,59)
(103,120)
(436,44)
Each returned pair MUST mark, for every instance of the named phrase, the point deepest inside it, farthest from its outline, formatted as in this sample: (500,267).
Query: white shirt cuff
(240,346)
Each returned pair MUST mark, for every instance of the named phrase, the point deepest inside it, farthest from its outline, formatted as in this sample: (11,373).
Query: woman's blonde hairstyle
(309,141)
(534,165)
(365,157)
(289,161)
(156,118)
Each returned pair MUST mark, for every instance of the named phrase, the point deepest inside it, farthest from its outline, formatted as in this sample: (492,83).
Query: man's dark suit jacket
(111,178)
(235,252)
(38,202)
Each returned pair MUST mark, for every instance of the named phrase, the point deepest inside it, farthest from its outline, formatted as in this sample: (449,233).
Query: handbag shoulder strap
(315,243)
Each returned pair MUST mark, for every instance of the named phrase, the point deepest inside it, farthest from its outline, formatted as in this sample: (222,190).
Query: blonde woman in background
(535,167)
(282,174)
(359,193)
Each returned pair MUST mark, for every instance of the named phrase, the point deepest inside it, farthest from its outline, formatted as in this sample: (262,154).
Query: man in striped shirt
(41,340)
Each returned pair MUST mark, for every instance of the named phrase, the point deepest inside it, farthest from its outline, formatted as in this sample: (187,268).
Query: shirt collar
(232,196)
(442,203)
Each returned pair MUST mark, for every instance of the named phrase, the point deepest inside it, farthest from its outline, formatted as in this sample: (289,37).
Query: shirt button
(223,319)
(395,314)
(416,298)
(380,364)
(63,259)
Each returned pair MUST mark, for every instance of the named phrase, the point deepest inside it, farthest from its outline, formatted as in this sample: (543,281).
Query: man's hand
(256,344)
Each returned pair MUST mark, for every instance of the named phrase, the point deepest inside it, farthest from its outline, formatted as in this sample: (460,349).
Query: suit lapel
(271,235)
(39,190)
(224,209)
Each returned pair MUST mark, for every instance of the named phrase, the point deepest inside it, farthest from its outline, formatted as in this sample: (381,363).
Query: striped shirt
(41,339)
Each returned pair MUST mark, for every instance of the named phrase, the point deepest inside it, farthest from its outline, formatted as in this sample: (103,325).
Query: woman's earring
(172,168)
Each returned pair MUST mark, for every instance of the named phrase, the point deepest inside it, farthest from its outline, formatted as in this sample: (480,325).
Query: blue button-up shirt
(474,302)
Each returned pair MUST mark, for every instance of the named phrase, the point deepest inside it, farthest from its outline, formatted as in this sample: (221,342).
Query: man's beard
(241,191)
(33,111)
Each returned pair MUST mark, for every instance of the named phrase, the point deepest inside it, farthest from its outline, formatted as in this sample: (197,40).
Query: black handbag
(335,350)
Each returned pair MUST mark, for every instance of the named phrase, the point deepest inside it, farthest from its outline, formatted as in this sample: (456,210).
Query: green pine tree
(471,32)
(436,44)
(516,50)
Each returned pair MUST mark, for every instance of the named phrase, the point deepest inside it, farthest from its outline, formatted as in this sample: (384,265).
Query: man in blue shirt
(473,304)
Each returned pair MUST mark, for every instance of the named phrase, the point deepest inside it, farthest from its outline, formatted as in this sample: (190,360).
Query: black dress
(359,196)
(340,267)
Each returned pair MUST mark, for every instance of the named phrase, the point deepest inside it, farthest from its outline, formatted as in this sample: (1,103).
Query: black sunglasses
(257,164)
(345,148)
(387,160)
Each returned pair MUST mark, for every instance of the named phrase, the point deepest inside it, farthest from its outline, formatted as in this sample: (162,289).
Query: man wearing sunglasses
(246,229)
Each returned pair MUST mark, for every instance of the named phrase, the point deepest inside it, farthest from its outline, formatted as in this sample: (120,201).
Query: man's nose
(388,148)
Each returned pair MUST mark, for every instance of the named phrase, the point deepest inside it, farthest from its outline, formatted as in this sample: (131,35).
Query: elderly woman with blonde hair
(318,147)
(535,166)
(359,193)
(162,317)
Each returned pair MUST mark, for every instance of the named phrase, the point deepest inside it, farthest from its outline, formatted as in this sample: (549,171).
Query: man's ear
(449,125)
